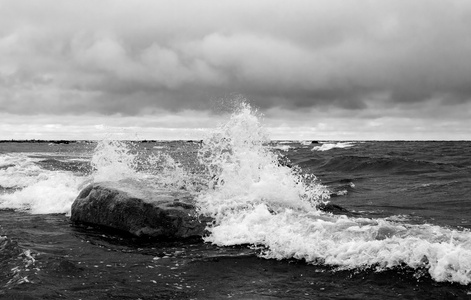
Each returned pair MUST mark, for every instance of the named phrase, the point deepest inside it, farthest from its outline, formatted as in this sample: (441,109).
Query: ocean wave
(330,146)
(20,171)
(349,243)
(282,147)
(54,192)
(257,201)
(27,186)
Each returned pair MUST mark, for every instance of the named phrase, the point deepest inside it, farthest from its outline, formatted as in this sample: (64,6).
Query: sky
(316,70)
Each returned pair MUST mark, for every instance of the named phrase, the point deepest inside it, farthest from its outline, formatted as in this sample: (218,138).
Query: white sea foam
(329,146)
(255,200)
(34,189)
(349,242)
(18,170)
(282,147)
(53,194)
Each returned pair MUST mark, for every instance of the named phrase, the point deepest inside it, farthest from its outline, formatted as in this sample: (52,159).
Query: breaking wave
(29,187)
(329,146)
(256,200)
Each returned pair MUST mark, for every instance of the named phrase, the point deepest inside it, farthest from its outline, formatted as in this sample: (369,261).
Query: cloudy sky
(147,69)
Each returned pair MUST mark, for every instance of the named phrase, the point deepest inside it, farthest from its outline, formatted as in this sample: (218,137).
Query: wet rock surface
(139,209)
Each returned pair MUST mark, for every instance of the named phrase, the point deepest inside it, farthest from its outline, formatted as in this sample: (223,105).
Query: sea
(291,219)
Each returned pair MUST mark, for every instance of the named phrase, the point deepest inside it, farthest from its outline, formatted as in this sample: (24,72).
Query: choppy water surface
(405,234)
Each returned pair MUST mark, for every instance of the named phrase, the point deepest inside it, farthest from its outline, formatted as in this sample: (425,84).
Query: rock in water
(134,207)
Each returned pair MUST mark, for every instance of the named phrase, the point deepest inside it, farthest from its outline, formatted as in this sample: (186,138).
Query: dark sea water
(404,233)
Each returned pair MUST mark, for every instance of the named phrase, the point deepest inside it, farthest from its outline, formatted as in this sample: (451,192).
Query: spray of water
(245,173)
(118,160)
(113,160)
(169,173)
(256,200)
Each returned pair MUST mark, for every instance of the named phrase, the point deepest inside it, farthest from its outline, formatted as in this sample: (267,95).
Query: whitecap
(329,146)
(255,200)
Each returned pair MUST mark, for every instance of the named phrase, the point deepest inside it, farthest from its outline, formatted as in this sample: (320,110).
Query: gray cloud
(132,57)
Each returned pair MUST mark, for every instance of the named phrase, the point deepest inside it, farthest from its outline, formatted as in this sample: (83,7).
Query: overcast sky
(147,69)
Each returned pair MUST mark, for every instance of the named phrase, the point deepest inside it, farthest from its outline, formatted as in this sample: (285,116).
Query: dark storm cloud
(133,57)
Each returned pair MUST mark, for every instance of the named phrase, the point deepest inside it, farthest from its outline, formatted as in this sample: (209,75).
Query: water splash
(256,200)
(114,160)
(170,173)
(28,187)
(118,160)
(244,172)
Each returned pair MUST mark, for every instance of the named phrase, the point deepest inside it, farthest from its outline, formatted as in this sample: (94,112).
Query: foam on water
(53,194)
(34,189)
(282,147)
(18,171)
(349,243)
(256,200)
(329,146)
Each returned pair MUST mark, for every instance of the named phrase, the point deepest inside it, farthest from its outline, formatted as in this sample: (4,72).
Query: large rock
(141,210)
